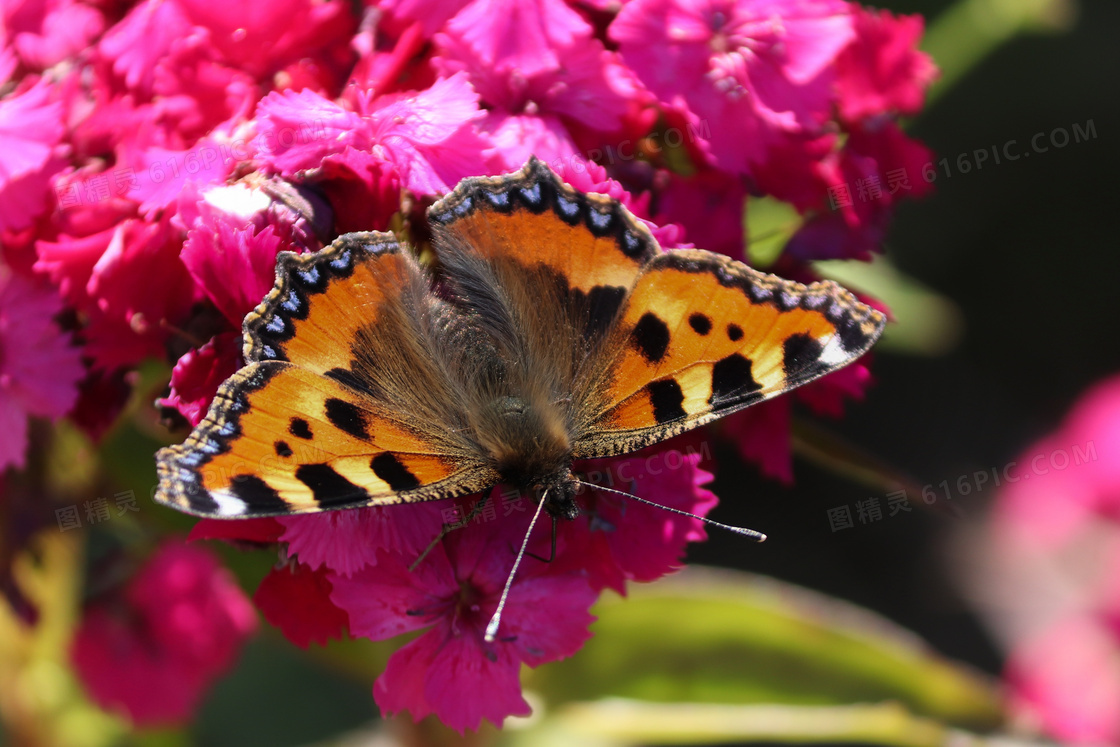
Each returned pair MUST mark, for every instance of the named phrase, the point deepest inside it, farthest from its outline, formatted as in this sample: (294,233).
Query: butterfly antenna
(492,626)
(748,533)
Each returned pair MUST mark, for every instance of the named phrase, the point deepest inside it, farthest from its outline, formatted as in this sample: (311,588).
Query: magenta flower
(130,284)
(451,670)
(152,651)
(30,131)
(1068,678)
(753,71)
(262,39)
(617,539)
(232,245)
(347,541)
(1054,541)
(536,59)
(709,206)
(198,374)
(143,38)
(428,137)
(39,368)
(882,72)
(46,33)
(297,600)
(762,435)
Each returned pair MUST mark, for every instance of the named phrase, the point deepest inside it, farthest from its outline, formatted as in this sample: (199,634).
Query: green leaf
(923,321)
(706,636)
(770,224)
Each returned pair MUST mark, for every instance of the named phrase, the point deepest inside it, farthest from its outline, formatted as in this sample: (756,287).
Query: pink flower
(297,130)
(347,541)
(232,245)
(261,39)
(617,539)
(882,72)
(451,670)
(427,136)
(525,37)
(165,176)
(533,53)
(30,131)
(1047,576)
(364,192)
(142,39)
(709,206)
(297,600)
(430,136)
(128,282)
(429,15)
(195,91)
(828,394)
(762,435)
(46,33)
(753,71)
(39,369)
(198,374)
(1068,678)
(515,137)
(152,651)
(857,188)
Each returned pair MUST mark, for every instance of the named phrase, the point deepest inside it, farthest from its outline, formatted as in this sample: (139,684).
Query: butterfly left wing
(340,405)
(281,440)
(703,336)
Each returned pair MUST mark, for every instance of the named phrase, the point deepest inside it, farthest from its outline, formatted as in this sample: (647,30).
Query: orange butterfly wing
(703,336)
(302,427)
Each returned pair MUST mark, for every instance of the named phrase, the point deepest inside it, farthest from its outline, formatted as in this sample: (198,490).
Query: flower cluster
(153,649)
(159,155)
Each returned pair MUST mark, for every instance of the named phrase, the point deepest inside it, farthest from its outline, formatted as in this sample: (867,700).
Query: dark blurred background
(1027,251)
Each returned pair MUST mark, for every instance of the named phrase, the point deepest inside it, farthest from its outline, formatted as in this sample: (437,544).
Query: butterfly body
(552,328)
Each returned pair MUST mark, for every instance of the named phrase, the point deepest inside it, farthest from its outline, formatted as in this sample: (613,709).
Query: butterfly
(551,327)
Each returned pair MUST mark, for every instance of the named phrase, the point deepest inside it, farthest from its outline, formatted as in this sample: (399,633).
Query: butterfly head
(529,445)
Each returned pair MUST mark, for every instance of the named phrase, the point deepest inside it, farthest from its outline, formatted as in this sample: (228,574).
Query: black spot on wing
(282,449)
(259,497)
(347,377)
(650,337)
(299,428)
(700,323)
(852,335)
(801,354)
(347,417)
(390,469)
(734,332)
(732,381)
(667,399)
(328,487)
(594,311)
(199,500)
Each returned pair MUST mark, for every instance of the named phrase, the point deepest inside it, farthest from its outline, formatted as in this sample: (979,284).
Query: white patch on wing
(833,353)
(229,505)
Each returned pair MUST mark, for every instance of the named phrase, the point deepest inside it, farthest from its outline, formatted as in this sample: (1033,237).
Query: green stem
(624,722)
(970,30)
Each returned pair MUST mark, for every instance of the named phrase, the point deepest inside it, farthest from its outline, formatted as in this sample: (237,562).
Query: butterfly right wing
(342,403)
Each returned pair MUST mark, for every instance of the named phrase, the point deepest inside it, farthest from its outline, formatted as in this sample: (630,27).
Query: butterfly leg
(447,529)
(552,552)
